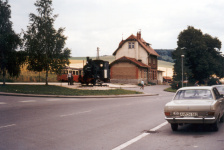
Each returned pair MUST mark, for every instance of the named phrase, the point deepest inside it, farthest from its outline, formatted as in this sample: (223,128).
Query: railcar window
(76,72)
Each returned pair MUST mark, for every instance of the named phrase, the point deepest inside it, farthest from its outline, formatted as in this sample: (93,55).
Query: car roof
(197,87)
(217,85)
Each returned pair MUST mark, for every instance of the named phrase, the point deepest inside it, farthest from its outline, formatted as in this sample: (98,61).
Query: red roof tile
(141,41)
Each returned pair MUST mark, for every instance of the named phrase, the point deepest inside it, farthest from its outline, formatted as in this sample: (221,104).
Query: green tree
(202,55)
(10,59)
(43,43)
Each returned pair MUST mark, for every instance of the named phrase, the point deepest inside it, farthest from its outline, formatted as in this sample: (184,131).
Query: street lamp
(182,58)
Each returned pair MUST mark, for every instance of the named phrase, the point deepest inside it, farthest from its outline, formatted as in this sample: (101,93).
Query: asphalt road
(34,123)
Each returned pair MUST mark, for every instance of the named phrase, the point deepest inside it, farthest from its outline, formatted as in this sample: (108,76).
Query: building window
(131,45)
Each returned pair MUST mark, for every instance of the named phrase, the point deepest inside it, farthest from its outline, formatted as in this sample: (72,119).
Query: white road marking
(159,126)
(128,143)
(53,100)
(7,126)
(72,114)
(2,103)
(195,146)
(131,141)
(28,101)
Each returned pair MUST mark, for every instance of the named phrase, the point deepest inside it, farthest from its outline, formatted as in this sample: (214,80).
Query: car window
(217,95)
(220,89)
(193,94)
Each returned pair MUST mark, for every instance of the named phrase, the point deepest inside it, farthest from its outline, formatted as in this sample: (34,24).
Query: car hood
(189,105)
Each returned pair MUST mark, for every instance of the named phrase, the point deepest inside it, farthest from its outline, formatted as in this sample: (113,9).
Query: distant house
(135,60)
(167,79)
(160,76)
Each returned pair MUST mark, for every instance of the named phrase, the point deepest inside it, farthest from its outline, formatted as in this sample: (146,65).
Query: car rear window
(193,94)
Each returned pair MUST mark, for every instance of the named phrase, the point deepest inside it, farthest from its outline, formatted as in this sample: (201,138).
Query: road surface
(98,124)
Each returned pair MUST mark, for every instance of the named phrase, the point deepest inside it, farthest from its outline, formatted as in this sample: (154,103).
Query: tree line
(165,54)
(41,47)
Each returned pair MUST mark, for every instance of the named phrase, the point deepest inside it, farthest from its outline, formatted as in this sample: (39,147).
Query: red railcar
(75,73)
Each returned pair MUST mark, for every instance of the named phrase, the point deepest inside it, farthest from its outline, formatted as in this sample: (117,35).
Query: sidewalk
(78,86)
(106,86)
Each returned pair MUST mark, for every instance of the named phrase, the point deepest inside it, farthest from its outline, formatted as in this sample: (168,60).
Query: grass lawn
(170,90)
(57,90)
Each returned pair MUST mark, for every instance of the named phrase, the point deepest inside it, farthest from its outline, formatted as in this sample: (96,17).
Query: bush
(7,80)
(151,83)
(212,81)
(176,84)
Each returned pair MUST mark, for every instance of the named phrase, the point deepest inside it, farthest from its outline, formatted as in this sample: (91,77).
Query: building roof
(167,78)
(131,60)
(141,42)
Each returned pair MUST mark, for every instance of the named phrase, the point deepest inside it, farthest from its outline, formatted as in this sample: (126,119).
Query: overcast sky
(101,23)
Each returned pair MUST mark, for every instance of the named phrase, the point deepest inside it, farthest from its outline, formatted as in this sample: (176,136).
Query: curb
(74,96)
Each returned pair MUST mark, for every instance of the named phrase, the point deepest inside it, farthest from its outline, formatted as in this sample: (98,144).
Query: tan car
(195,105)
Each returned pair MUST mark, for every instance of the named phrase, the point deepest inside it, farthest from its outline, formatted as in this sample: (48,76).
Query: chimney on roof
(139,35)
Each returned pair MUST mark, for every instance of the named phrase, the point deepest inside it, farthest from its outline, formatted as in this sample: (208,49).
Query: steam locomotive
(95,72)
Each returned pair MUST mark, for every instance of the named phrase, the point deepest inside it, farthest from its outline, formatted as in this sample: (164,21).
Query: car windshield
(220,89)
(193,94)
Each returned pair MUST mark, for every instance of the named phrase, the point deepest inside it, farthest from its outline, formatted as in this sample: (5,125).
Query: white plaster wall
(138,52)
(142,54)
(125,51)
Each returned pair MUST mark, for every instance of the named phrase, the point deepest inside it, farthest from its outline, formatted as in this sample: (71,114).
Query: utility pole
(182,57)
(98,53)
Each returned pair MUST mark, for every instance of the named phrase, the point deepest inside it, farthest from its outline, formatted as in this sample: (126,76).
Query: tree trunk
(4,73)
(3,67)
(47,76)
(39,76)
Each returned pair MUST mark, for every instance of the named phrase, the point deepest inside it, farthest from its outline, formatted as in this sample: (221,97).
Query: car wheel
(215,125)
(174,126)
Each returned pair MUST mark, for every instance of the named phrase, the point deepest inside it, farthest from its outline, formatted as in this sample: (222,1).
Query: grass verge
(170,90)
(57,90)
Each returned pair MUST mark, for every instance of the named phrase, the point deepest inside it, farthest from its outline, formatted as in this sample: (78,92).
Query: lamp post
(182,58)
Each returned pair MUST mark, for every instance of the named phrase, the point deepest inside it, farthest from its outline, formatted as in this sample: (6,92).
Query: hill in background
(109,58)
(165,54)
